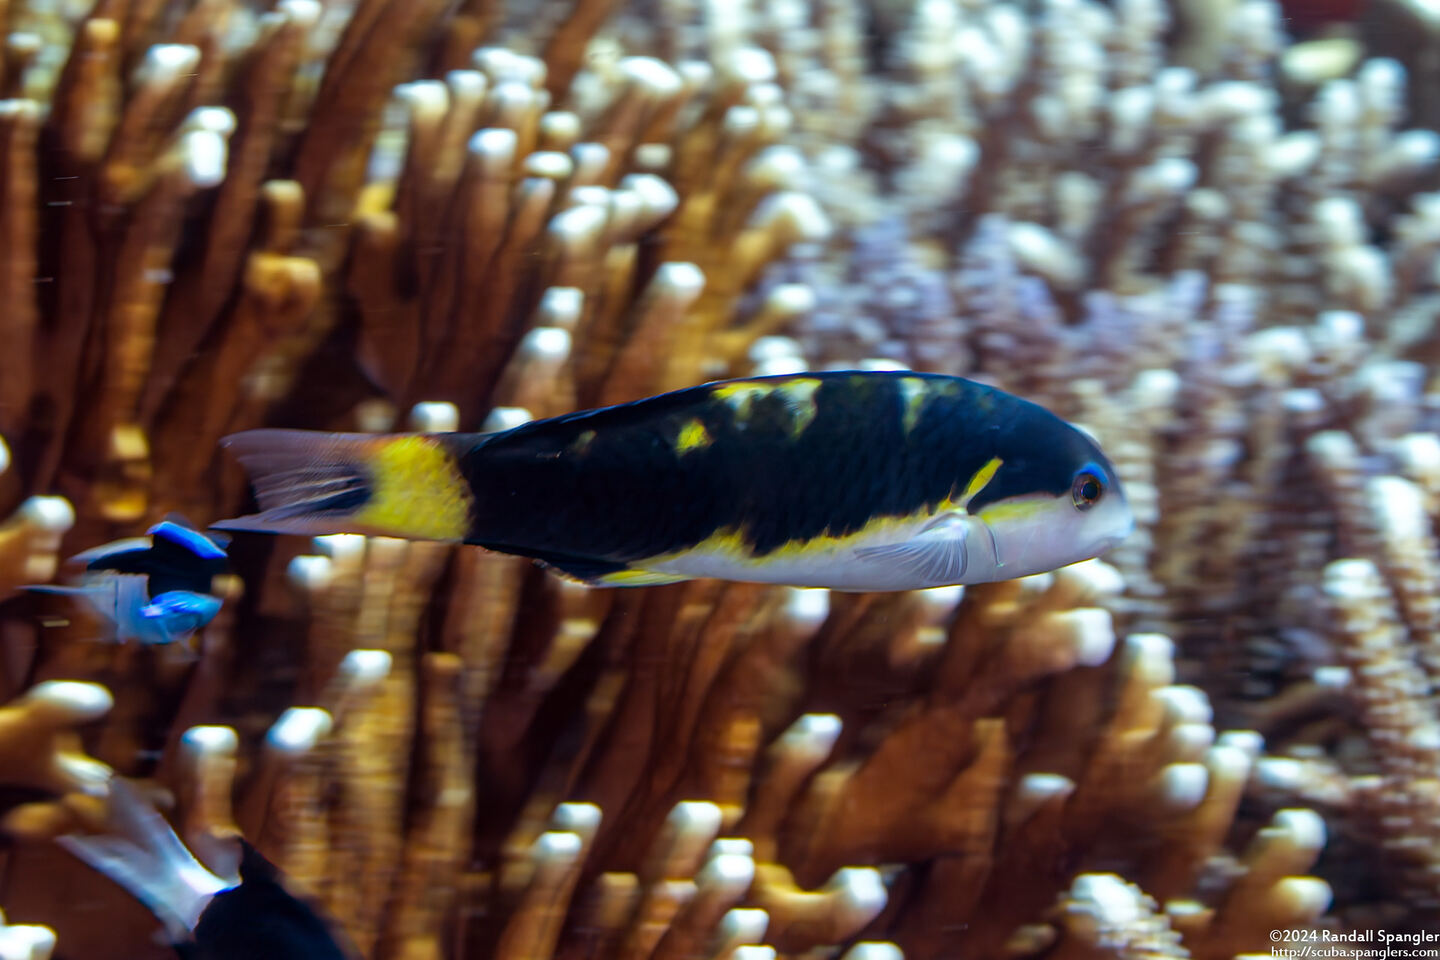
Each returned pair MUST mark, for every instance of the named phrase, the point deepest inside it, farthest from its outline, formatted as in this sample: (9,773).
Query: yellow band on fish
(692,436)
(1014,510)
(417,490)
(981,480)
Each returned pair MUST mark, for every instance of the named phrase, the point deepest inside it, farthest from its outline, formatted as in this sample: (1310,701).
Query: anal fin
(640,578)
(604,573)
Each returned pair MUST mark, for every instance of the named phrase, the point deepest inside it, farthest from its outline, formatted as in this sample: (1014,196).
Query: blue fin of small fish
(938,554)
(95,556)
(178,614)
(115,597)
(124,600)
(206,546)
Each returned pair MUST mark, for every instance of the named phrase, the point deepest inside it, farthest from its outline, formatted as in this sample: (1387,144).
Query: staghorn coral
(358,216)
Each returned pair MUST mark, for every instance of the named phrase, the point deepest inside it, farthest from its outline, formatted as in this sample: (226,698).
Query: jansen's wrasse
(854,481)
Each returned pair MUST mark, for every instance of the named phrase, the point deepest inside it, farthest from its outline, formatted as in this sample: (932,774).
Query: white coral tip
(299,729)
(435,416)
(696,817)
(581,818)
(52,514)
(77,700)
(862,894)
(210,740)
(1306,828)
(364,668)
(505,418)
(873,950)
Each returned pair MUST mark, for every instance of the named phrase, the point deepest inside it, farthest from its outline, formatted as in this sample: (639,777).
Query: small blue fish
(247,915)
(156,589)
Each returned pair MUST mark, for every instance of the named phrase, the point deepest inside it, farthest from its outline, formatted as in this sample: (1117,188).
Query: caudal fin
(313,483)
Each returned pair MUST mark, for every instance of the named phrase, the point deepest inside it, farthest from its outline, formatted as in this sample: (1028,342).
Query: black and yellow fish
(853,481)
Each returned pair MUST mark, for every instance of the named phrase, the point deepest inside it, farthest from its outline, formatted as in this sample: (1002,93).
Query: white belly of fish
(947,549)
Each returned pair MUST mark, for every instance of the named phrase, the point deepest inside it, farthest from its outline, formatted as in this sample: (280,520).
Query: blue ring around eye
(1095,470)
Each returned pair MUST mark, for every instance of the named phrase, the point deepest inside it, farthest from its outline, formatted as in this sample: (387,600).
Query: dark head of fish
(260,918)
(1039,453)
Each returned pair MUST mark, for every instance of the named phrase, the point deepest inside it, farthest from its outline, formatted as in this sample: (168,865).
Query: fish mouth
(1109,543)
(1119,536)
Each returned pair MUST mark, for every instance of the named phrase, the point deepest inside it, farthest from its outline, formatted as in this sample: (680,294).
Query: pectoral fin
(936,556)
(111,596)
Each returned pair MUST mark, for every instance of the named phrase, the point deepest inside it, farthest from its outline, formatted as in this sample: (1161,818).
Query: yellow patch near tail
(581,444)
(692,436)
(417,490)
(912,396)
(799,397)
(741,396)
(798,394)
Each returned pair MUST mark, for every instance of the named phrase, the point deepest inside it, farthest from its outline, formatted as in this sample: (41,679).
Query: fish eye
(1087,489)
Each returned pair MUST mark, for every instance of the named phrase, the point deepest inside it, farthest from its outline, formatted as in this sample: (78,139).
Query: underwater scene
(719,479)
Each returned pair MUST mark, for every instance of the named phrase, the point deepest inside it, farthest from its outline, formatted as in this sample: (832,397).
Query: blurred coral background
(1202,229)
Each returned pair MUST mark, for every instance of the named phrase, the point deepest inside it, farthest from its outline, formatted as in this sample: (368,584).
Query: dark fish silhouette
(206,917)
(260,918)
(849,480)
